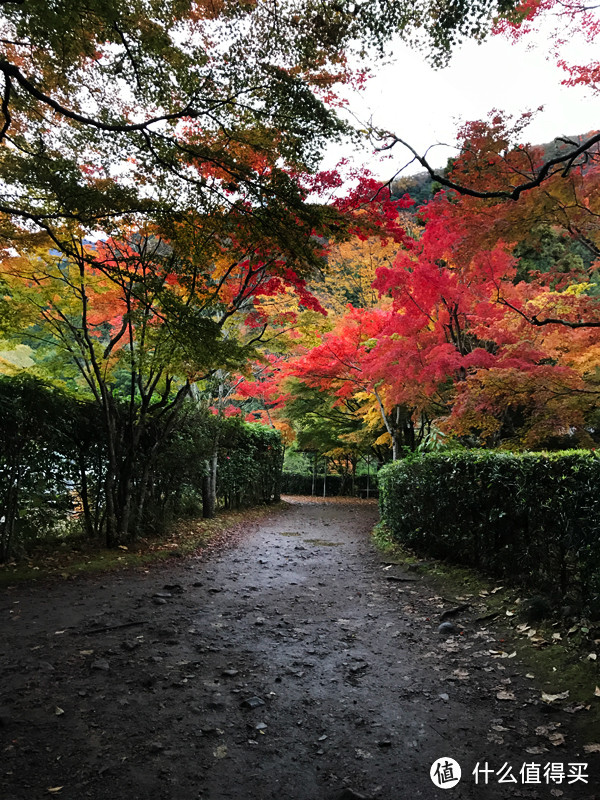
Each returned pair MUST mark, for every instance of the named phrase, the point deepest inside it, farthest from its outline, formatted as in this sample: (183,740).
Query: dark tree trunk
(11,510)
(85,496)
(209,485)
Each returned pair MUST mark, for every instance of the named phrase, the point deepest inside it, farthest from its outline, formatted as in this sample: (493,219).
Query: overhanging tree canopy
(116,107)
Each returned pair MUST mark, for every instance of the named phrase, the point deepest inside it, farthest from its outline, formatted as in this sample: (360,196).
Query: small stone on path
(253,702)
(447,628)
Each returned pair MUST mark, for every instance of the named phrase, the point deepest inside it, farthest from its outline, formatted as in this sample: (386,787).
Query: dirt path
(359,694)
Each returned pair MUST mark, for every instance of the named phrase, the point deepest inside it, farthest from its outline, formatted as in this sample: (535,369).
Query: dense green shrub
(53,463)
(38,461)
(250,460)
(178,470)
(531,516)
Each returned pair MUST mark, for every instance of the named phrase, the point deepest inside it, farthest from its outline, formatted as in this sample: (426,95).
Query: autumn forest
(189,302)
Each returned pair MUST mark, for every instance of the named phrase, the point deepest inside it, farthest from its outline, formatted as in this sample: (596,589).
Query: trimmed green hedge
(296,483)
(53,463)
(250,460)
(534,517)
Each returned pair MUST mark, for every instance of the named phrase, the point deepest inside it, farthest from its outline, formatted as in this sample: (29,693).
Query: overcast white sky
(425,106)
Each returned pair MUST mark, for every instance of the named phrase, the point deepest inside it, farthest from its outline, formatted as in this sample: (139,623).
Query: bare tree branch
(563,164)
(533,320)
(12,71)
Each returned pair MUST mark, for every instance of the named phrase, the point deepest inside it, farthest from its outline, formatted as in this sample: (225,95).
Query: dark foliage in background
(335,485)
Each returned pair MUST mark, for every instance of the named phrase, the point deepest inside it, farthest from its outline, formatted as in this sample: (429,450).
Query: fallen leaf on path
(546,730)
(550,698)
(573,708)
(505,696)
(597,691)
(557,739)
(59,711)
(592,657)
(461,673)
(55,789)
(220,751)
(451,647)
(530,675)
(536,751)
(591,748)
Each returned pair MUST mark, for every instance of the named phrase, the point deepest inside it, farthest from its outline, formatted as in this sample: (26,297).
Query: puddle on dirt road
(318,542)
(322,542)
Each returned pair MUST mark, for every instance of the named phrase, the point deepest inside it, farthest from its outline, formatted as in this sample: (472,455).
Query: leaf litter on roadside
(551,698)
(505,695)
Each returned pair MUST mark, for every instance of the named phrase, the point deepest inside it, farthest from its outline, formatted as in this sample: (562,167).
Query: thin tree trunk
(393,433)
(110,480)
(143,491)
(85,496)
(209,485)
(208,510)
(214,463)
(278,476)
(10,515)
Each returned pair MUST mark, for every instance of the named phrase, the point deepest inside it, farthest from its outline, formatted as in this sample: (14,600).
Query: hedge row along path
(137,685)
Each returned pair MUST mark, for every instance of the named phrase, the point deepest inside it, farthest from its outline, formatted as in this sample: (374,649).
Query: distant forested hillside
(421,187)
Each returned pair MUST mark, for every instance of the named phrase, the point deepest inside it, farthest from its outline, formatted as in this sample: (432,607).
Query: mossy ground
(75,556)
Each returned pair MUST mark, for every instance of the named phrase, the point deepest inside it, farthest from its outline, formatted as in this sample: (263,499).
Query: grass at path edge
(183,538)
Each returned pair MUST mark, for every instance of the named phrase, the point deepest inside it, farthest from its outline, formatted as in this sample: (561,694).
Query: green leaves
(152,94)
(529,516)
